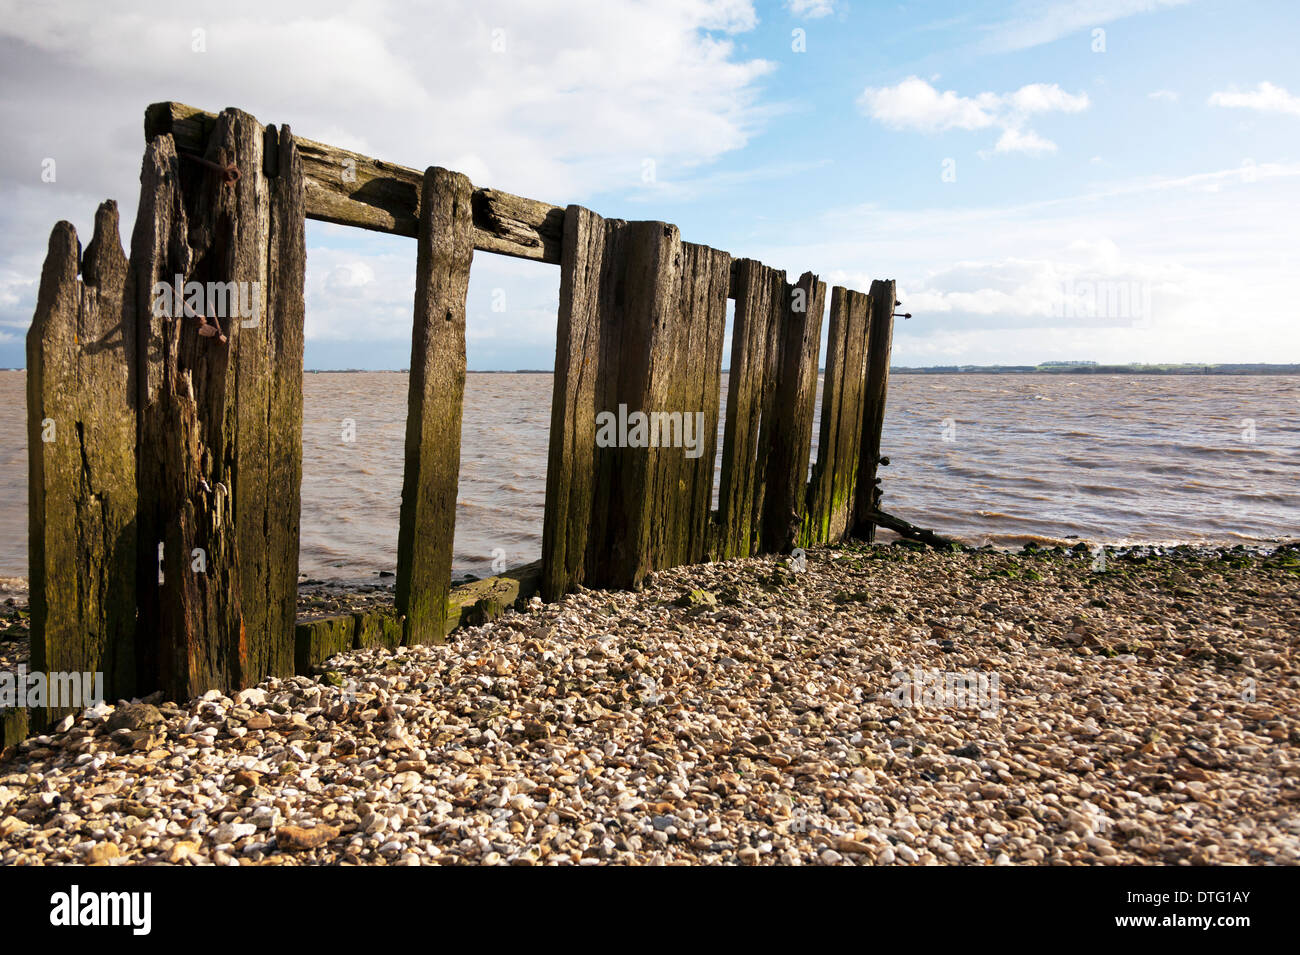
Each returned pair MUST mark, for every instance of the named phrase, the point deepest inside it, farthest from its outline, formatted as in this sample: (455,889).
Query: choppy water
(987,458)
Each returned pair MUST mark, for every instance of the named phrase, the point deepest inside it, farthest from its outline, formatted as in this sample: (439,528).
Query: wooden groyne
(166,445)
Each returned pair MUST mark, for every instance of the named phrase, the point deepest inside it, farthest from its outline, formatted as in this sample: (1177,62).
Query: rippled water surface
(987,458)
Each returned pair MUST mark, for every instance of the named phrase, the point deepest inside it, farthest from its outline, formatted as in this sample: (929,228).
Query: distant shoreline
(1090,368)
(1048,368)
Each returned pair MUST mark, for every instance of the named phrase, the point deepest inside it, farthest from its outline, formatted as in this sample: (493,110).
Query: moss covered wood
(81,464)
(220,423)
(831,487)
(571,450)
(15,724)
(351,189)
(875,389)
(760,300)
(317,638)
(697,379)
(320,636)
(378,629)
(427,526)
(787,429)
(639,298)
(635,342)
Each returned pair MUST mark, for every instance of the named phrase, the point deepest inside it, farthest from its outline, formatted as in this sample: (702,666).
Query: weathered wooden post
(685,372)
(638,350)
(639,312)
(81,468)
(760,303)
(696,387)
(431,477)
(831,488)
(787,430)
(879,345)
(573,404)
(619,289)
(220,446)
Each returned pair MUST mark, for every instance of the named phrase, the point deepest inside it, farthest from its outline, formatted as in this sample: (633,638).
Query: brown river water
(999,459)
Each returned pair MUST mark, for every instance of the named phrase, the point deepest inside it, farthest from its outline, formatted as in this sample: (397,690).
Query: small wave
(1000,516)
(1020,540)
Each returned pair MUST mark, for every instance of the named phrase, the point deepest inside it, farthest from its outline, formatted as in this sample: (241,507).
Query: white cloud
(1024,141)
(1046,98)
(1265,97)
(550,102)
(915,104)
(810,9)
(349,275)
(1035,22)
(365,295)
(1163,96)
(1152,269)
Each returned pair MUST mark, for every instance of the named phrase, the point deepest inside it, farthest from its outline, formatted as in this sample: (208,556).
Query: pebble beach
(1137,709)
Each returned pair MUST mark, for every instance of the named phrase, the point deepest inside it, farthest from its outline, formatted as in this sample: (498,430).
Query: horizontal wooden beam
(510,589)
(321,636)
(351,189)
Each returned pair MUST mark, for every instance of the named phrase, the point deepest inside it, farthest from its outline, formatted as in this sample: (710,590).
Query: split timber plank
(831,487)
(790,424)
(569,485)
(638,302)
(760,297)
(613,513)
(687,368)
(81,464)
(881,336)
(433,420)
(849,439)
(351,189)
(696,386)
(776,321)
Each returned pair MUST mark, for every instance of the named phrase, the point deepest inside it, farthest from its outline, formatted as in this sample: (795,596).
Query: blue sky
(1040,190)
